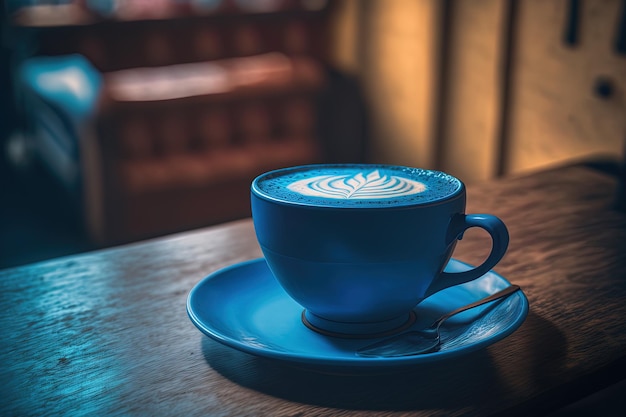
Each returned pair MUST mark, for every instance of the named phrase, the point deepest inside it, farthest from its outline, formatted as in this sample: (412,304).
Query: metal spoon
(426,340)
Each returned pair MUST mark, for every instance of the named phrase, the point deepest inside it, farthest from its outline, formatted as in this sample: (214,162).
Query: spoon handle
(502,293)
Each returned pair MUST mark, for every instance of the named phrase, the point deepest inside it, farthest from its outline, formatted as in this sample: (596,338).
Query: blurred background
(123,120)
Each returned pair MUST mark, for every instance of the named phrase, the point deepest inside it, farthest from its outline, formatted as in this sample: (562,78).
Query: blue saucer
(244,307)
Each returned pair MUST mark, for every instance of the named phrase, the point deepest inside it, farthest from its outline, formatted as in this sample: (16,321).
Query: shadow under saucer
(433,385)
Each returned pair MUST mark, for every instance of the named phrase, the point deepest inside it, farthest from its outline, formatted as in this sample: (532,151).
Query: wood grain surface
(106,333)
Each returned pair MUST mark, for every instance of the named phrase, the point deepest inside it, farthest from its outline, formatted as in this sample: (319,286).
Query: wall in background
(393,48)
(469,128)
(486,87)
(555,113)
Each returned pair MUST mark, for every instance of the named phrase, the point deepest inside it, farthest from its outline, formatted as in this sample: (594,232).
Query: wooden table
(106,333)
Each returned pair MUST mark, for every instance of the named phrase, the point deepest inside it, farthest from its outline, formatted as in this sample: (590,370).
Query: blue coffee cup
(360,245)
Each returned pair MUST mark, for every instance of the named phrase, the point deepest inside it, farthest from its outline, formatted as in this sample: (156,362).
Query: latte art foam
(355,185)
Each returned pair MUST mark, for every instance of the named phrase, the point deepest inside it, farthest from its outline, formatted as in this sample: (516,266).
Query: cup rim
(257,192)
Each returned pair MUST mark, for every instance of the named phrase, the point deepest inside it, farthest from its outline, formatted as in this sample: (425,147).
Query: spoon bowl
(426,340)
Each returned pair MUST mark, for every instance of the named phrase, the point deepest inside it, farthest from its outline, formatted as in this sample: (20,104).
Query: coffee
(357,186)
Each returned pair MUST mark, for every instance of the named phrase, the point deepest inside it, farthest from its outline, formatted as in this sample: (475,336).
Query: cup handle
(500,242)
